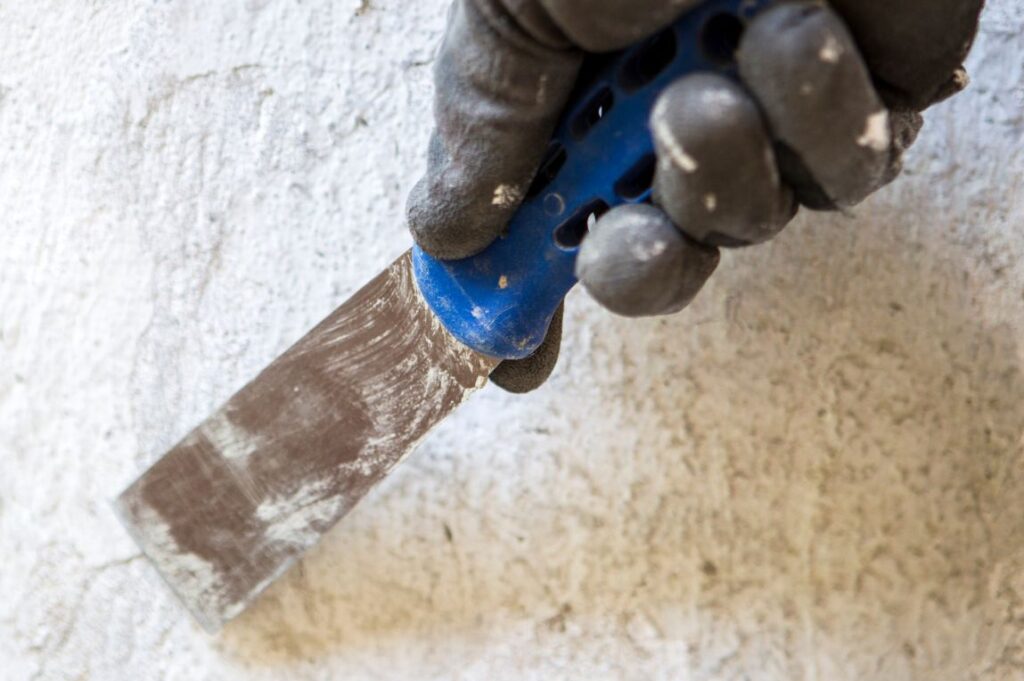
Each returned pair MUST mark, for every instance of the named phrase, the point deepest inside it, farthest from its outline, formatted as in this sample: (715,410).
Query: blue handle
(500,302)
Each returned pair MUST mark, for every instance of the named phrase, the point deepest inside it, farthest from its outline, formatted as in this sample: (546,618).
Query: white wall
(813,473)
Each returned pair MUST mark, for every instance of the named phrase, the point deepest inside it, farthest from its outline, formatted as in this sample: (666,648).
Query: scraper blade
(236,502)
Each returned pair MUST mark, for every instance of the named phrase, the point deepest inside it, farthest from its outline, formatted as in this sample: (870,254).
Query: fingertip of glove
(445,226)
(636,263)
(832,130)
(520,376)
(914,47)
(717,177)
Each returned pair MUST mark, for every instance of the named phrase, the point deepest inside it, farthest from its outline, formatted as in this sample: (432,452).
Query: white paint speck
(719,98)
(503,282)
(505,195)
(876,132)
(831,50)
(645,252)
(961,78)
(542,88)
(711,202)
(663,132)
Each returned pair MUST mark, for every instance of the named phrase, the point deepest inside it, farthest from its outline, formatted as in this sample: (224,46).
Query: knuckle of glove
(717,176)
(833,132)
(635,263)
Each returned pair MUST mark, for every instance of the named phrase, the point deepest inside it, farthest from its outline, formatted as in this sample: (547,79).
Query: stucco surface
(816,472)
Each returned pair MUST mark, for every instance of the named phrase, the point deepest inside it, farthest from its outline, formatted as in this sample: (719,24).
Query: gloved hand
(830,100)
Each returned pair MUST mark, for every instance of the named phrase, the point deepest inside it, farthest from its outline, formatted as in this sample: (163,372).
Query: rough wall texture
(813,473)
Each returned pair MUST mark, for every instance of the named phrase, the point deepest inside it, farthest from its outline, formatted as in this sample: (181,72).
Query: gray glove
(830,100)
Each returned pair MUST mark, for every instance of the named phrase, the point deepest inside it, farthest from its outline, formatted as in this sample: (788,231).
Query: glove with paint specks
(830,99)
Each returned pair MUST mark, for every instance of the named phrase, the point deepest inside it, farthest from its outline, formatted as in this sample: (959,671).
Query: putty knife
(235,503)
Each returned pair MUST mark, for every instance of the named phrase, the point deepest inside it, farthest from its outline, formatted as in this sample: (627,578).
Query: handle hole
(720,37)
(570,234)
(596,108)
(637,180)
(648,60)
(554,159)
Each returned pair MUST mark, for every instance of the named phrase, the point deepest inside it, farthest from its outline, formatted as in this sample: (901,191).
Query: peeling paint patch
(229,439)
(299,518)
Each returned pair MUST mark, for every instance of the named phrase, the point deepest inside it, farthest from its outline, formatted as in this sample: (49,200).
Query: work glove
(829,98)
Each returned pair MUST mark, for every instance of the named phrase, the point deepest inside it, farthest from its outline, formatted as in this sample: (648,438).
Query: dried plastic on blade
(232,506)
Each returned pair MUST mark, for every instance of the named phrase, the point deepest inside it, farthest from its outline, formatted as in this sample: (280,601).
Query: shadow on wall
(831,483)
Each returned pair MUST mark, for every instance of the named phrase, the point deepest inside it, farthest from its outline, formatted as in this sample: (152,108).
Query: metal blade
(233,505)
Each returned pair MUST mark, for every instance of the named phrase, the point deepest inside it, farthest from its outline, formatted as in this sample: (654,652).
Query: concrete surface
(814,473)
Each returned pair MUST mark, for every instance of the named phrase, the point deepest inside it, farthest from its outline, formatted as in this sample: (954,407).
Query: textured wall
(813,473)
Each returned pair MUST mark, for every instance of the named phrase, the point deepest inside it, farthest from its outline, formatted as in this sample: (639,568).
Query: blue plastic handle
(501,301)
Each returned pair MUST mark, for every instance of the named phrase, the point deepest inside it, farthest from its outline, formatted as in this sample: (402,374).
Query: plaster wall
(815,472)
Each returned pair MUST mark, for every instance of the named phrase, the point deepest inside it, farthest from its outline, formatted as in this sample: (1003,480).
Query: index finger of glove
(499,93)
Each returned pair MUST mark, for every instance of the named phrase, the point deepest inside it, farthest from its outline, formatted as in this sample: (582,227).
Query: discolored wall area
(815,472)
